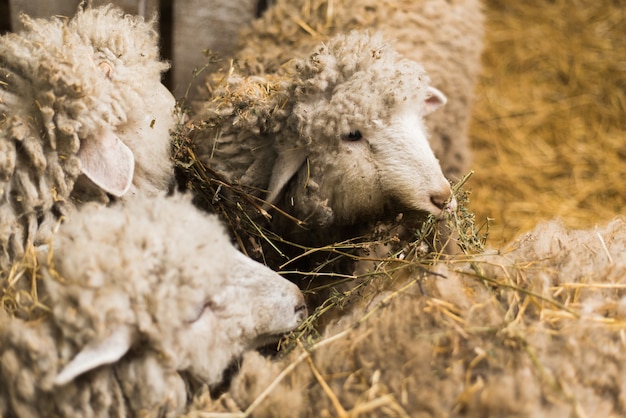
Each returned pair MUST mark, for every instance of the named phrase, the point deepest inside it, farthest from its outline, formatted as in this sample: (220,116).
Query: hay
(550,116)
(19,294)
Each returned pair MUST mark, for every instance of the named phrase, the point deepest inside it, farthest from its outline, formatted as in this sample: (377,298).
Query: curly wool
(237,127)
(52,95)
(352,80)
(147,285)
(159,269)
(445,36)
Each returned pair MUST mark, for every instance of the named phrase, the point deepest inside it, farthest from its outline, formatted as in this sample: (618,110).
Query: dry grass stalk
(19,295)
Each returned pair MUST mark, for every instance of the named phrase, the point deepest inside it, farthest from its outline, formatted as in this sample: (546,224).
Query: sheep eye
(352,136)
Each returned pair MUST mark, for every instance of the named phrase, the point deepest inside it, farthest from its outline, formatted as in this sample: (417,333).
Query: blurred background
(549,121)
(549,126)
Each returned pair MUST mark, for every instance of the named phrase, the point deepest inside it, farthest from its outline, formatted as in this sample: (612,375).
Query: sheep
(83,117)
(338,141)
(446,37)
(146,298)
(535,329)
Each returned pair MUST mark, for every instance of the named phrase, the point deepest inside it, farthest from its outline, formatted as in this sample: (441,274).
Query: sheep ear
(97,354)
(286,166)
(108,162)
(434,100)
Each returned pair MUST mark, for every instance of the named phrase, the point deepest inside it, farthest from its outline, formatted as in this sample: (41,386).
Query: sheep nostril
(440,200)
(301,310)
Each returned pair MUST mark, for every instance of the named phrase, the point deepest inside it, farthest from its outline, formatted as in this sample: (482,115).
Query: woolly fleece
(63,82)
(165,272)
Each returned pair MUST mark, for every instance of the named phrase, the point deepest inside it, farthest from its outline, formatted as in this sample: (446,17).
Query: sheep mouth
(267,339)
(275,336)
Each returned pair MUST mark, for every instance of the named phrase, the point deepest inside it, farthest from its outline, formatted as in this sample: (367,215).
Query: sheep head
(163,276)
(99,75)
(363,149)
(125,52)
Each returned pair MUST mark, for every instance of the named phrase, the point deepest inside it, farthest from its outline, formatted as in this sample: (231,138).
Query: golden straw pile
(549,128)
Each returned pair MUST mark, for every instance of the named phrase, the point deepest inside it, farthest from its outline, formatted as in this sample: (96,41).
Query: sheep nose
(441,198)
(301,312)
(444,200)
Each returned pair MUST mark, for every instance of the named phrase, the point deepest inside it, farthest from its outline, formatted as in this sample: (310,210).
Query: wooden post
(40,8)
(200,25)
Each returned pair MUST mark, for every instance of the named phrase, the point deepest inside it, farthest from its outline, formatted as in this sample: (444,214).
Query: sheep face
(364,149)
(405,171)
(372,156)
(371,170)
(252,308)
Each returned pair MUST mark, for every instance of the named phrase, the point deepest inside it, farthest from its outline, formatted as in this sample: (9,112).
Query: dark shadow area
(166,29)
(5,17)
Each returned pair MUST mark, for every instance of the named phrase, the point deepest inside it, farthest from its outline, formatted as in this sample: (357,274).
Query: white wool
(85,118)
(146,297)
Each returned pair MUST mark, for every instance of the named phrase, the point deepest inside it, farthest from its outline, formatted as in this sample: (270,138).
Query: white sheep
(445,36)
(338,141)
(83,117)
(146,299)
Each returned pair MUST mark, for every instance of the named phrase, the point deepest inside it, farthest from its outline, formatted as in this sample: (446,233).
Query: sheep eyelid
(207,305)
(352,136)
